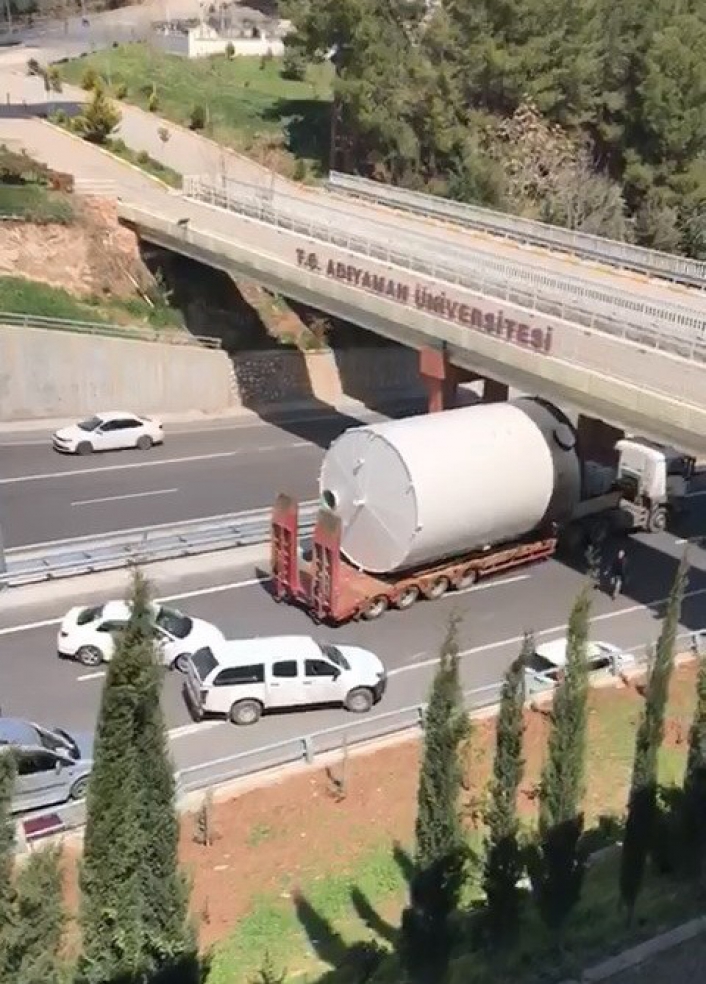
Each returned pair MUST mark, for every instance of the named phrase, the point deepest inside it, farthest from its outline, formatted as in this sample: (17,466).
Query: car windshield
(541,665)
(204,662)
(174,623)
(87,615)
(336,656)
(57,741)
(93,423)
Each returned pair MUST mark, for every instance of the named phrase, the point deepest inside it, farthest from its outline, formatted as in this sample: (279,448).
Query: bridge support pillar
(494,392)
(597,439)
(440,377)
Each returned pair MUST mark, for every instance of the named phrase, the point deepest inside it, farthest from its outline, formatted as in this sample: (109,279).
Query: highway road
(36,684)
(198,472)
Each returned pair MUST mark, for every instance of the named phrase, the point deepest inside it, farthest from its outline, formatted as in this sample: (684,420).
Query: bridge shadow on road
(26,111)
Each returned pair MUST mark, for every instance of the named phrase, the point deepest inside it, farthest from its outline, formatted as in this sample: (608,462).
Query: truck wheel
(407,597)
(437,588)
(245,712)
(467,579)
(657,521)
(359,701)
(375,608)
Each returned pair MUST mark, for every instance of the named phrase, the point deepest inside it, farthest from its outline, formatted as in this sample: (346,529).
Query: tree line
(133,914)
(544,866)
(590,114)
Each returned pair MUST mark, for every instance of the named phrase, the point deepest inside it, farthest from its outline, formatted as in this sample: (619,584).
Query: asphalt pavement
(46,496)
(35,684)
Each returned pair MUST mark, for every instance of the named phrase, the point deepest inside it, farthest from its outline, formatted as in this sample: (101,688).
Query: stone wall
(93,256)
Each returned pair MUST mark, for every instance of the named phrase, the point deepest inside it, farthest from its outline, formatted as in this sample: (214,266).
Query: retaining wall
(48,374)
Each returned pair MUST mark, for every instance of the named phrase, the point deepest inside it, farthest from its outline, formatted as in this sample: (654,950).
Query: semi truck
(413,508)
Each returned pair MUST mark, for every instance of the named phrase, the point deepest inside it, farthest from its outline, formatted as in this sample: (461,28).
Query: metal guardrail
(673,328)
(609,252)
(171,337)
(305,748)
(88,555)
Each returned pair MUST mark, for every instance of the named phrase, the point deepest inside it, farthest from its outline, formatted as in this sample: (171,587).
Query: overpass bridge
(621,355)
(629,352)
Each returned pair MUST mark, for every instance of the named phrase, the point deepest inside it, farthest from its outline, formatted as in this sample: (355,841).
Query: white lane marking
(80,472)
(91,676)
(118,498)
(196,727)
(695,495)
(513,640)
(197,593)
(488,584)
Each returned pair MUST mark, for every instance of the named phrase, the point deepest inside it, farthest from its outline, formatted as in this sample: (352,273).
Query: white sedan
(88,635)
(112,431)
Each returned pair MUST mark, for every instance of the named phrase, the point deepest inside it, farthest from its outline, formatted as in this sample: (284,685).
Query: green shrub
(153,102)
(121,91)
(197,117)
(143,157)
(230,51)
(90,79)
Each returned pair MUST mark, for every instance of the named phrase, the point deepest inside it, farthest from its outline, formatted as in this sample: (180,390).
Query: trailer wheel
(657,521)
(437,588)
(375,608)
(467,579)
(407,597)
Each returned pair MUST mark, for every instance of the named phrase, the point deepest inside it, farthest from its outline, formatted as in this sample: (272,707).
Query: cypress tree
(642,802)
(694,809)
(440,843)
(41,919)
(503,862)
(111,909)
(7,858)
(169,943)
(559,862)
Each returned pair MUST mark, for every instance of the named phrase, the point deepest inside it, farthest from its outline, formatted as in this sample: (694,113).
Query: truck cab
(654,481)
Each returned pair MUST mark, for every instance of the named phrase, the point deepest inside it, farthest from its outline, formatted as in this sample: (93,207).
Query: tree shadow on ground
(306,124)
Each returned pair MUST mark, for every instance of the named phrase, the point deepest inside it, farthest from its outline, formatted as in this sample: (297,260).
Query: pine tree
(168,939)
(558,866)
(113,859)
(440,843)
(503,863)
(7,857)
(41,919)
(694,809)
(642,802)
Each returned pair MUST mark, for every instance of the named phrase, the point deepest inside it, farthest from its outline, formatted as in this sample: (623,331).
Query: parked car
(53,765)
(549,659)
(88,635)
(112,431)
(242,679)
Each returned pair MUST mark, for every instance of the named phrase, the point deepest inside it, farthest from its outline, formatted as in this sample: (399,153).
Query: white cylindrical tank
(410,492)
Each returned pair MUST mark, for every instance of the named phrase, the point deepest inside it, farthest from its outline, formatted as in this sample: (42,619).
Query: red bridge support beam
(440,377)
(597,439)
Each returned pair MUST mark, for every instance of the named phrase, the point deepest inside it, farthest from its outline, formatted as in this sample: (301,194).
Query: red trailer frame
(333,591)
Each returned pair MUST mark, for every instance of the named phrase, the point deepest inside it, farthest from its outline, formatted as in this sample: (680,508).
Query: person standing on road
(617,574)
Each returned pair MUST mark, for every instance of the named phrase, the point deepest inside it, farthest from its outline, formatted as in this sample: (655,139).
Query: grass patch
(20,296)
(245,101)
(146,163)
(334,924)
(33,203)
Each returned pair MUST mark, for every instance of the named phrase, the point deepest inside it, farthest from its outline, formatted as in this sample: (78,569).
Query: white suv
(241,679)
(88,634)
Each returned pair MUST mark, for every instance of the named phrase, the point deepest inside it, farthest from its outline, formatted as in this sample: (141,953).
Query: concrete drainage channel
(89,555)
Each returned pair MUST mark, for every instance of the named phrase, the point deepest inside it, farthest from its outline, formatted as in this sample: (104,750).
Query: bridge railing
(670,328)
(610,252)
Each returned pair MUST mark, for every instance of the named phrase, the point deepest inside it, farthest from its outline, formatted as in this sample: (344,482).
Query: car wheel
(79,788)
(144,443)
(89,656)
(360,700)
(246,712)
(85,447)
(181,663)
